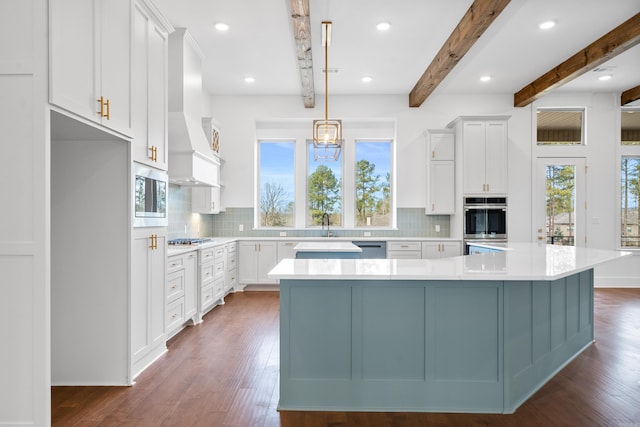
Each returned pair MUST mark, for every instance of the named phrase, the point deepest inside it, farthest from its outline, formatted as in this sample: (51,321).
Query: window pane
(373,184)
(630,121)
(561,202)
(276,171)
(559,127)
(324,190)
(630,233)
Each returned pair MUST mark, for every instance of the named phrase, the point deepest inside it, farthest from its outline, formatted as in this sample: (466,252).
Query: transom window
(560,126)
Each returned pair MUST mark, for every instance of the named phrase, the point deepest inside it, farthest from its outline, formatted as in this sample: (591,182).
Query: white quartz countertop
(326,247)
(524,261)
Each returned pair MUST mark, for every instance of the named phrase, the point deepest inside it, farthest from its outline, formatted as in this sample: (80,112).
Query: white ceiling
(514,51)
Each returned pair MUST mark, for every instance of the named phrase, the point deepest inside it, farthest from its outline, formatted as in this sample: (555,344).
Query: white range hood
(192,162)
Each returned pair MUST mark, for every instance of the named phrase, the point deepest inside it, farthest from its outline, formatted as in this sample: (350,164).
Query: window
(630,203)
(630,123)
(324,190)
(373,184)
(560,126)
(276,183)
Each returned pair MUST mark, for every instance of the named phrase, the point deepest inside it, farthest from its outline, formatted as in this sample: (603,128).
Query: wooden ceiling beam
(302,40)
(630,95)
(616,41)
(472,25)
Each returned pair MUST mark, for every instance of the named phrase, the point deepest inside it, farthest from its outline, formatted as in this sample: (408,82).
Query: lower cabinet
(148,301)
(404,250)
(431,250)
(182,293)
(206,279)
(257,258)
(231,281)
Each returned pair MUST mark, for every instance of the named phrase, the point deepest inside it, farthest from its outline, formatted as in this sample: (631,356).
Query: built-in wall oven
(485,220)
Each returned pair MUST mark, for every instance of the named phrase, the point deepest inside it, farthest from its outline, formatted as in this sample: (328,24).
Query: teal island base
(427,346)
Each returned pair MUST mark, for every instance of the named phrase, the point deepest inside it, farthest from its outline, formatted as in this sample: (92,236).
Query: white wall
(237,116)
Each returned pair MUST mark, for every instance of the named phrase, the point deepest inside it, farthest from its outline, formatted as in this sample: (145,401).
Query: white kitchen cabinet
(90,60)
(441,166)
(285,250)
(182,293)
(484,154)
(404,250)
(148,301)
(206,280)
(445,249)
(150,70)
(232,267)
(257,258)
(205,200)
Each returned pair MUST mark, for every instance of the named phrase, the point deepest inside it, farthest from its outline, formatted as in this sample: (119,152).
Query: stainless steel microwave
(150,187)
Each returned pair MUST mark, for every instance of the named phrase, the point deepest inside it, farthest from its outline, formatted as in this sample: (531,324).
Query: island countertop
(524,261)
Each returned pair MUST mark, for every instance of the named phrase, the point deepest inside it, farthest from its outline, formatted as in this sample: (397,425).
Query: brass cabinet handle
(104,103)
(154,153)
(108,105)
(101,101)
(433,154)
(154,242)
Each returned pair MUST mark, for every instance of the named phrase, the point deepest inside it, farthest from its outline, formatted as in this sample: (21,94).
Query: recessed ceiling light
(605,77)
(366,79)
(546,25)
(485,78)
(249,79)
(383,26)
(221,26)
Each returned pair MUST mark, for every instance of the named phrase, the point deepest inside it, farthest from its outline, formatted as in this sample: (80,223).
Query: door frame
(539,195)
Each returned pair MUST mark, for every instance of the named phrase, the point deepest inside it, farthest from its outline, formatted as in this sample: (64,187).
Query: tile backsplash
(411,222)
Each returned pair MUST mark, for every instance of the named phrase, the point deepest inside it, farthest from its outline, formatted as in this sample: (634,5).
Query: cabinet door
(150,90)
(248,262)
(157,100)
(115,63)
(147,292)
(285,250)
(496,157)
(205,200)
(430,250)
(441,188)
(473,157)
(449,249)
(72,58)
(190,285)
(441,146)
(267,259)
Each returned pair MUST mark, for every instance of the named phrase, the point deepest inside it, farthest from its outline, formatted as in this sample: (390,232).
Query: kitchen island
(478,333)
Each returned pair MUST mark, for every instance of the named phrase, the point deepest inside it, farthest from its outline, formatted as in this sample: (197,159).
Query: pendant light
(327,134)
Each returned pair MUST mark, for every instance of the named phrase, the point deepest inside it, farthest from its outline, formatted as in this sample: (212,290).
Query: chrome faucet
(326,221)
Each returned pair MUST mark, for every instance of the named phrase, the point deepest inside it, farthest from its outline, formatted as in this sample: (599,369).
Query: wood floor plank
(224,373)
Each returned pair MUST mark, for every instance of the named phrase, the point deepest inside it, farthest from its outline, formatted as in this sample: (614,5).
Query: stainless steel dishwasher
(372,248)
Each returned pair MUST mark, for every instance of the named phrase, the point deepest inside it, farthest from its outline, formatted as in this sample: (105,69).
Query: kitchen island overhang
(478,334)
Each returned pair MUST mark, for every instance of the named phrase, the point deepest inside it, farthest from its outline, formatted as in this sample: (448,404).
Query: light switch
(437,228)
(241,227)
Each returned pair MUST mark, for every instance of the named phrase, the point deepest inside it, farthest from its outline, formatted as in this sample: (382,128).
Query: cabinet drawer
(207,255)
(218,289)
(207,298)
(232,247)
(404,246)
(175,314)
(175,285)
(233,259)
(404,254)
(218,252)
(218,269)
(206,274)
(175,263)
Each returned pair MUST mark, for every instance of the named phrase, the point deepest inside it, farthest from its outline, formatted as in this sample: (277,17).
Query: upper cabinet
(149,100)
(484,154)
(441,166)
(90,60)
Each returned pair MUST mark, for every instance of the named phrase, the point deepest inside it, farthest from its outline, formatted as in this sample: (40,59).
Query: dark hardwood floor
(224,372)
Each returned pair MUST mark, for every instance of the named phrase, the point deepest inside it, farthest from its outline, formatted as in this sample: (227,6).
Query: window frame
(258,190)
(392,210)
(583,129)
(623,151)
